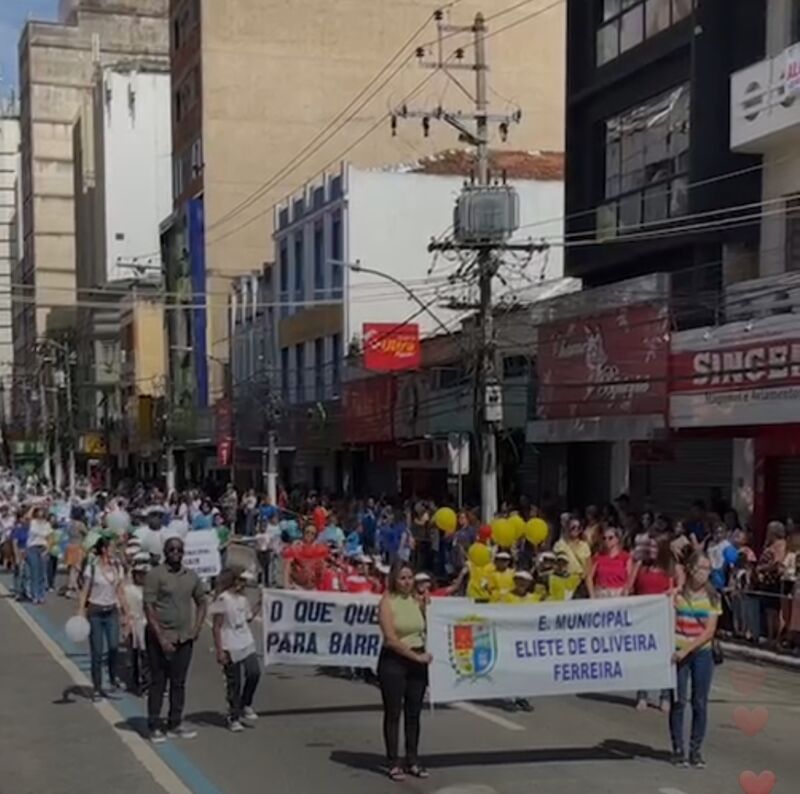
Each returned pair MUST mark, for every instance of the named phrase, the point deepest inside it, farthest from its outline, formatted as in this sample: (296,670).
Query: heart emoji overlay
(750,721)
(752,783)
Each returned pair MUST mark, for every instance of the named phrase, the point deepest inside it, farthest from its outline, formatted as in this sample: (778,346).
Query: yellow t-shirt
(478,581)
(578,555)
(561,588)
(513,598)
(500,583)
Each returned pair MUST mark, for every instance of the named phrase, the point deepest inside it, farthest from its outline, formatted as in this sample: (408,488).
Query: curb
(736,651)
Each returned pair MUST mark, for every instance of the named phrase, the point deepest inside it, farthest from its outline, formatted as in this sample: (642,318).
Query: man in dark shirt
(175,607)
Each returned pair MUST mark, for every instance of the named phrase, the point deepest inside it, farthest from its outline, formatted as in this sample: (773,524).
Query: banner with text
(201,553)
(321,629)
(485,651)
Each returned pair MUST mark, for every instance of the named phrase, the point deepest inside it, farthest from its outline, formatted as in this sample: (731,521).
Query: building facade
(58,67)
(681,152)
(351,250)
(10,236)
(123,188)
(258,92)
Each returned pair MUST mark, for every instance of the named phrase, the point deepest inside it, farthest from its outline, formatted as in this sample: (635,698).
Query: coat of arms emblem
(473,647)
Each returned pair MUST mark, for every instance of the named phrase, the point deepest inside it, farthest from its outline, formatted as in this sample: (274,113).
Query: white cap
(502,555)
(523,575)
(422,577)
(384,569)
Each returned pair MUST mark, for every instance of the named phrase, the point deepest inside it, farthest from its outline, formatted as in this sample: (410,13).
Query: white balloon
(118,521)
(77,628)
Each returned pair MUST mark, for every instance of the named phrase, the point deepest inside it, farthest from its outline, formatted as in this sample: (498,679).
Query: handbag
(717,654)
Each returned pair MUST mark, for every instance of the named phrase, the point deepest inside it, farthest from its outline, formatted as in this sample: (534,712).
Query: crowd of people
(138,594)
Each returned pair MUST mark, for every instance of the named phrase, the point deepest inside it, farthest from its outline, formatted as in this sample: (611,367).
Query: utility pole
(44,422)
(486,215)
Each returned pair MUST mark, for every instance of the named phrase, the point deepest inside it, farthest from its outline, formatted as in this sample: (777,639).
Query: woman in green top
(402,669)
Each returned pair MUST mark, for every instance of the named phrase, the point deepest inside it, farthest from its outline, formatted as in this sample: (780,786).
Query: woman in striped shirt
(697,608)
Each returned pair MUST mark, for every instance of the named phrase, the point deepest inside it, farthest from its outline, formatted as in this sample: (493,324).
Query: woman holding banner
(402,669)
(697,609)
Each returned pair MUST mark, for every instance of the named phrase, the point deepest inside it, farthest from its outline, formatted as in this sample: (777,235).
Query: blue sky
(13,14)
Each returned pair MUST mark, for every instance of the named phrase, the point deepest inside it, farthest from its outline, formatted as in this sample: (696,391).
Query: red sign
(605,364)
(389,347)
(738,367)
(369,410)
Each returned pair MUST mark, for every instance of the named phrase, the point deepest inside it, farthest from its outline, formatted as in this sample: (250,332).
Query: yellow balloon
(518,524)
(503,533)
(445,519)
(479,554)
(536,531)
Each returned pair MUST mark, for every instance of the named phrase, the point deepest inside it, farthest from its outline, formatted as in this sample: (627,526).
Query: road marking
(485,714)
(149,759)
(670,791)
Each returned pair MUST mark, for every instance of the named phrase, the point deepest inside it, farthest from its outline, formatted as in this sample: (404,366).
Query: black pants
(265,560)
(173,667)
(241,680)
(403,684)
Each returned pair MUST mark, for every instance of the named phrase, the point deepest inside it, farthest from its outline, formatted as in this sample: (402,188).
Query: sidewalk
(747,652)
(53,738)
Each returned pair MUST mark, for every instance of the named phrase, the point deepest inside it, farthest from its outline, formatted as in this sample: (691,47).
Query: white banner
(321,629)
(201,553)
(485,651)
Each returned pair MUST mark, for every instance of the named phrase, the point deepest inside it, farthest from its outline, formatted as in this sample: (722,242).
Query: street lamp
(357,267)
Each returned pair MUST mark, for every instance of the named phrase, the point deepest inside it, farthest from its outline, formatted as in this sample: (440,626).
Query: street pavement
(319,734)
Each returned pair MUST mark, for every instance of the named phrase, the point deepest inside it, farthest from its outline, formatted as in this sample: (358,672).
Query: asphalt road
(319,734)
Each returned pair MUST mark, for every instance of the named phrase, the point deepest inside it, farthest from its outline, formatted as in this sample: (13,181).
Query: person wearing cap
(422,587)
(501,578)
(520,594)
(521,591)
(561,584)
(545,565)
(235,646)
(134,596)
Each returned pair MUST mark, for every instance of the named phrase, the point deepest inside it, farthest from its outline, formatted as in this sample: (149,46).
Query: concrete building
(142,381)
(383,220)
(10,228)
(259,87)
(123,188)
(58,65)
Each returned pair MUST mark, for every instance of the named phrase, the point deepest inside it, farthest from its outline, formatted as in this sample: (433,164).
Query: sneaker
(680,760)
(641,705)
(157,736)
(665,707)
(181,732)
(235,726)
(524,705)
(510,706)
(97,697)
(249,714)
(697,761)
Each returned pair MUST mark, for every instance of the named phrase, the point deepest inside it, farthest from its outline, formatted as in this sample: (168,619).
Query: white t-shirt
(237,638)
(39,533)
(103,583)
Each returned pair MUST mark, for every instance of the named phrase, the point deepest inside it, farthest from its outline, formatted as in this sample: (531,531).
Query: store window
(646,164)
(627,23)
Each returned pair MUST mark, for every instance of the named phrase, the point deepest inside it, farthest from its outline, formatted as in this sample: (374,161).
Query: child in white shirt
(236,648)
